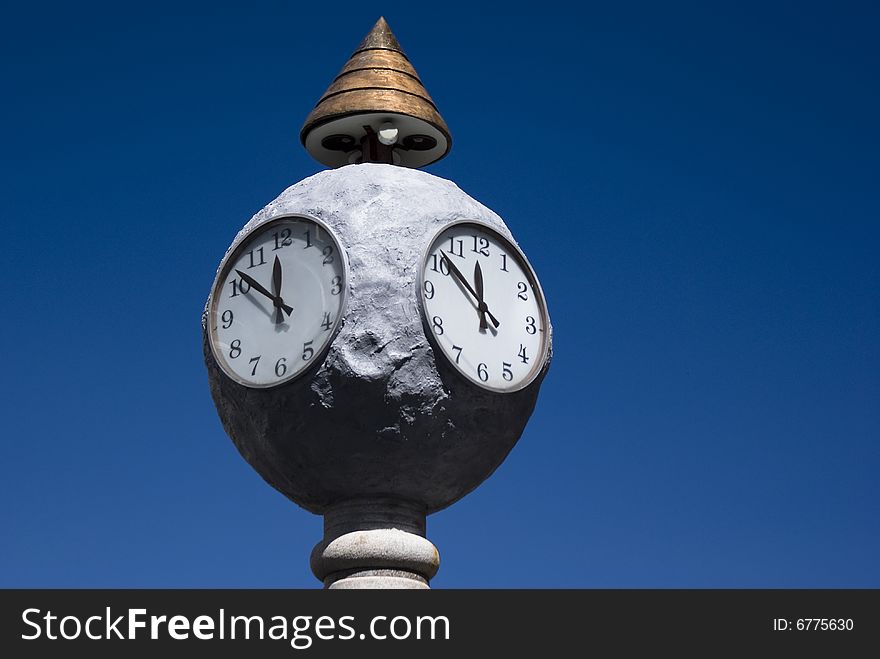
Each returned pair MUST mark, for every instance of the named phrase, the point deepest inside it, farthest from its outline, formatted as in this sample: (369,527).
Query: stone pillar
(375,542)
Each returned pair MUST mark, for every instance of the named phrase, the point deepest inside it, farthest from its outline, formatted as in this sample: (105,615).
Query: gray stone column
(375,542)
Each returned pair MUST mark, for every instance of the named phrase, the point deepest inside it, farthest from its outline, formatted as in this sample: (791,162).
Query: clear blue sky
(696,187)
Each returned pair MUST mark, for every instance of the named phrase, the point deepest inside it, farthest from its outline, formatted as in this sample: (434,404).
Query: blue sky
(695,186)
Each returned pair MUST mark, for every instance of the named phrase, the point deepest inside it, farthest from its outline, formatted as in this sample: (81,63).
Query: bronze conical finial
(380,37)
(376,110)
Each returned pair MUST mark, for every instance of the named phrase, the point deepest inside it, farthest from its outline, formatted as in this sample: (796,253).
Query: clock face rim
(238,248)
(530,273)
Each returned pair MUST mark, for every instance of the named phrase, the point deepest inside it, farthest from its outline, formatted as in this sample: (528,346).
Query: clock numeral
(504,263)
(308,352)
(522,288)
(282,239)
(336,285)
(255,361)
(281,367)
(326,323)
(481,247)
(444,267)
(308,235)
(438,324)
(227,318)
(251,256)
(239,286)
(482,372)
(429,290)
(235,349)
(507,374)
(530,325)
(460,252)
(522,354)
(328,255)
(458,356)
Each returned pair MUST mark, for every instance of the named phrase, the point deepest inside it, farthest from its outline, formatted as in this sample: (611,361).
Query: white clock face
(483,307)
(277,302)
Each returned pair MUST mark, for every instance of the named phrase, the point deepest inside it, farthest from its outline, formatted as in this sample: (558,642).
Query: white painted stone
(380,416)
(377,583)
(377,549)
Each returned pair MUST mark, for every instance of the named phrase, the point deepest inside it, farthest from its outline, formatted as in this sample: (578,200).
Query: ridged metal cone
(378,78)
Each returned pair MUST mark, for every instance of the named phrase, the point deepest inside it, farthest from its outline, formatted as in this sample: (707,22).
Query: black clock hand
(255,284)
(276,300)
(455,271)
(483,308)
(458,275)
(276,285)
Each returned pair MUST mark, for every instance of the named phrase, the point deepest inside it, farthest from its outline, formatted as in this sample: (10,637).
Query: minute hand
(455,271)
(276,300)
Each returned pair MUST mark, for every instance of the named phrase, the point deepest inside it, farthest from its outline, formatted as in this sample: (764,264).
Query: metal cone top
(380,37)
(377,90)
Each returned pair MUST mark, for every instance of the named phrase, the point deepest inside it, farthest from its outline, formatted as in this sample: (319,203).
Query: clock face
(277,301)
(483,307)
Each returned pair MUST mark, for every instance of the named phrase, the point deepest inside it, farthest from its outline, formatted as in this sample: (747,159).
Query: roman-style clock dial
(277,301)
(483,307)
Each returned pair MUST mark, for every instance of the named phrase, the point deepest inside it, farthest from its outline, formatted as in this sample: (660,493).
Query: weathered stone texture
(379,416)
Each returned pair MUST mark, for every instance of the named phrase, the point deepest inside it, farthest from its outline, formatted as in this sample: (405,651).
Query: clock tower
(375,338)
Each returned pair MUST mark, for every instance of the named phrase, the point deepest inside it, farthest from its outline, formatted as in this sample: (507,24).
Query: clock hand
(483,308)
(276,300)
(458,275)
(481,305)
(455,271)
(255,284)
(276,285)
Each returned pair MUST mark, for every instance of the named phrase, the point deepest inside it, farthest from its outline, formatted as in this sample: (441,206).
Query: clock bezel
(536,287)
(232,255)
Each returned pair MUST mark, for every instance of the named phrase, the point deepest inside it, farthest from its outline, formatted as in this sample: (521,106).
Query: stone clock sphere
(383,413)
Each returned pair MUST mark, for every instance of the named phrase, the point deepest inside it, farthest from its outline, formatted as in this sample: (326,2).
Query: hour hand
(276,286)
(482,307)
